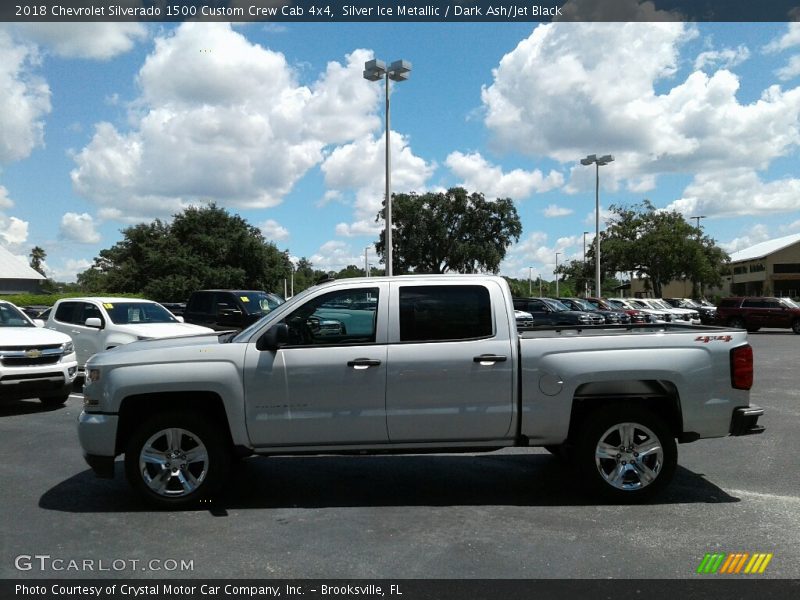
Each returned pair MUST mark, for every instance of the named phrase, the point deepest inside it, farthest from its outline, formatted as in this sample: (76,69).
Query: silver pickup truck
(413,364)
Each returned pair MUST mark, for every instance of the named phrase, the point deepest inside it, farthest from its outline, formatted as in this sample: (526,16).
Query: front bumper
(97,434)
(745,420)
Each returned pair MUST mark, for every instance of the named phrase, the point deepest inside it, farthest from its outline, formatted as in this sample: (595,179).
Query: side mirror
(275,337)
(38,322)
(94,322)
(179,318)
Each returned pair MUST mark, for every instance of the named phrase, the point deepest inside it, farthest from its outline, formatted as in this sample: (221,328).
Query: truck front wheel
(625,454)
(176,459)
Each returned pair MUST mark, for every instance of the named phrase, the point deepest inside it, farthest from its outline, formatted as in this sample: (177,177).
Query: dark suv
(546,311)
(753,313)
(228,309)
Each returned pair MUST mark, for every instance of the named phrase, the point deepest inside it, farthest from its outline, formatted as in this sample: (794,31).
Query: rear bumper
(745,420)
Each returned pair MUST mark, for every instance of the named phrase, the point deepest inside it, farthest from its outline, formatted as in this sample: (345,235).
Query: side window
(88,311)
(335,318)
(452,312)
(201,303)
(225,304)
(537,305)
(754,303)
(66,312)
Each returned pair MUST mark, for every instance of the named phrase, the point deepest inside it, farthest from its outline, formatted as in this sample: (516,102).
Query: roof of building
(765,248)
(12,267)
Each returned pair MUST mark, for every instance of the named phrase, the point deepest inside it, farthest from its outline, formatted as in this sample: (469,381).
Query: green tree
(454,231)
(659,245)
(203,247)
(37,259)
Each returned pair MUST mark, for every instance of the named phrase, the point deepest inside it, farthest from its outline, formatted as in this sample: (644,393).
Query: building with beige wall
(770,268)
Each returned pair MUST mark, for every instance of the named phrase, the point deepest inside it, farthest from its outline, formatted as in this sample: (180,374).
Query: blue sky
(110,124)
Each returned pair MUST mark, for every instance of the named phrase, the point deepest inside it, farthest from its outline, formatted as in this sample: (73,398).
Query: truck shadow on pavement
(13,408)
(371,481)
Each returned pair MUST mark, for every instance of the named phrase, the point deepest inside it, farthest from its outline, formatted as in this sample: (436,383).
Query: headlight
(68,347)
(93,375)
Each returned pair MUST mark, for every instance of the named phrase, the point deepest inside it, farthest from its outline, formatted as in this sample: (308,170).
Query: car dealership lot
(512,514)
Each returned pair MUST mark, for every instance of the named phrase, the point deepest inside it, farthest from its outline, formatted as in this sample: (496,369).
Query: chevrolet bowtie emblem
(35,353)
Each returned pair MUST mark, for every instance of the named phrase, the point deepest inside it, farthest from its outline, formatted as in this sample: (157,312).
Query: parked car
(678,314)
(613,317)
(708,313)
(34,362)
(753,313)
(655,316)
(229,309)
(635,315)
(524,319)
(96,324)
(547,311)
(176,308)
(436,366)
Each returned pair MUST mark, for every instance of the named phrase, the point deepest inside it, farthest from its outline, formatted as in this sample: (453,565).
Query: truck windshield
(136,313)
(259,302)
(11,316)
(788,302)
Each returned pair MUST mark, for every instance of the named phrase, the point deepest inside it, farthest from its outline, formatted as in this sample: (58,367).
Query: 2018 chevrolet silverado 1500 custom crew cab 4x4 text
(413,364)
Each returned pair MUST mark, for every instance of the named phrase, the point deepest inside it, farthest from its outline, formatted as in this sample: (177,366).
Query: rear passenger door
(451,363)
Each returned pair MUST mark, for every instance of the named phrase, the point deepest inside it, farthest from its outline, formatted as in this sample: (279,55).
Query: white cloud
(791,70)
(788,40)
(79,228)
(555,95)
(24,100)
(13,230)
(738,192)
(5,201)
(274,231)
(553,210)
(535,256)
(791,227)
(359,167)
(99,41)
(478,175)
(230,124)
(727,58)
(336,255)
(757,233)
(68,271)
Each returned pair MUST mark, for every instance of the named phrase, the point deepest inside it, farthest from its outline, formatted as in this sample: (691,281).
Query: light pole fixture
(698,219)
(556,272)
(374,70)
(530,282)
(366,262)
(598,162)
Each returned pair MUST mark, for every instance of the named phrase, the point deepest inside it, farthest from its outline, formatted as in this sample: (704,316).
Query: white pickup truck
(414,364)
(34,362)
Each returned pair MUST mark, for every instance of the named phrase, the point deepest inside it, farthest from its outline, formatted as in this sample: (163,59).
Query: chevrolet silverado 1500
(414,364)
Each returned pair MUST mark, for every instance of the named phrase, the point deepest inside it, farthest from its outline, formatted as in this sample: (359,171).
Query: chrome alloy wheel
(629,456)
(173,462)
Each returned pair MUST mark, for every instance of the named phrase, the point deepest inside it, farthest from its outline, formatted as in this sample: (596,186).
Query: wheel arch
(136,408)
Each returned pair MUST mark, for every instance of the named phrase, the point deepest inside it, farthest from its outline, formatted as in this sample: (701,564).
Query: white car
(97,324)
(34,362)
(678,314)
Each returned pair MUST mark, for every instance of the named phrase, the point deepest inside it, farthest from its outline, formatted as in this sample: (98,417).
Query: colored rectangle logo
(734,563)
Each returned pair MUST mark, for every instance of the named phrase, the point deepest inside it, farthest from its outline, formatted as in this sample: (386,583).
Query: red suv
(753,313)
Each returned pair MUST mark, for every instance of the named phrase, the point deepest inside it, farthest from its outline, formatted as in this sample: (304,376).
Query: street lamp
(697,290)
(599,162)
(375,70)
(556,272)
(530,282)
(366,262)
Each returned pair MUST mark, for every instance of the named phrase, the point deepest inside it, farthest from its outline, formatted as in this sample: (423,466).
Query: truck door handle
(363,363)
(489,358)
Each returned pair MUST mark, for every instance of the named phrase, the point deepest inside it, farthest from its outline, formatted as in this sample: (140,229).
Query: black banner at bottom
(729,588)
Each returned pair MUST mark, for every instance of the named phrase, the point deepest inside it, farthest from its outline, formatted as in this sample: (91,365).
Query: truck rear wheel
(176,459)
(625,453)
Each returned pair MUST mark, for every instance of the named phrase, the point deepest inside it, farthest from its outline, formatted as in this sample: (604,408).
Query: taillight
(742,367)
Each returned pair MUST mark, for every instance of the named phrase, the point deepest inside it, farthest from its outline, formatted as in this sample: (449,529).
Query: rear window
(437,313)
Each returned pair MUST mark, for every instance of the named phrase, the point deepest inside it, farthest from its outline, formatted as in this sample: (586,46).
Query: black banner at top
(352,11)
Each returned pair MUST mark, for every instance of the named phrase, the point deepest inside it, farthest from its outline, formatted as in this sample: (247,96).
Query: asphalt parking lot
(511,514)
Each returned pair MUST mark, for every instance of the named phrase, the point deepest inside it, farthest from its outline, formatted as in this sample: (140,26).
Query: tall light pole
(698,220)
(697,289)
(366,262)
(556,272)
(599,162)
(585,281)
(530,281)
(374,70)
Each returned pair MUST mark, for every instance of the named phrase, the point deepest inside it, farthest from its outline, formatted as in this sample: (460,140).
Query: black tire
(796,326)
(626,476)
(189,459)
(54,400)
(736,323)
